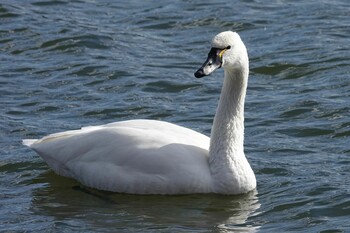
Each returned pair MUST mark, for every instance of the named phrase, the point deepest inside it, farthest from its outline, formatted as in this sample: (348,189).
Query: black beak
(199,73)
(212,63)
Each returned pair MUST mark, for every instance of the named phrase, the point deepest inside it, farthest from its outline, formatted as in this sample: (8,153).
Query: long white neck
(229,167)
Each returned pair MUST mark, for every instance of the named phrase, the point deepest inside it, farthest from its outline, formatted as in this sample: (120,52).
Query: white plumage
(156,157)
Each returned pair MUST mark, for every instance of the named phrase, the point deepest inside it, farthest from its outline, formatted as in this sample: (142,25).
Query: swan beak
(213,62)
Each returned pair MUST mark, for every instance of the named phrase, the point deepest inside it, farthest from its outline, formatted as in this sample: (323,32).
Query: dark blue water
(68,64)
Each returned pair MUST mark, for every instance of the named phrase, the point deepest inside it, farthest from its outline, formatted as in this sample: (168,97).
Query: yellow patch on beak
(222,53)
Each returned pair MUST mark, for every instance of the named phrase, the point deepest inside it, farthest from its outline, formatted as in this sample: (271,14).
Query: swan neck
(228,164)
(228,127)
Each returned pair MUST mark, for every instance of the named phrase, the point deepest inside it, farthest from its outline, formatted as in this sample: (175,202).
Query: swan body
(136,156)
(156,157)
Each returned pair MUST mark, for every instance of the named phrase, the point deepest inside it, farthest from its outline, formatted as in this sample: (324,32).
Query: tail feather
(29,142)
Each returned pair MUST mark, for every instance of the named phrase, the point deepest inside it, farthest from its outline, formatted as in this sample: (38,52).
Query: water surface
(68,64)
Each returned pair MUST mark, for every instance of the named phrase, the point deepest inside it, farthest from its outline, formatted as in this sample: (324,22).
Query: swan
(157,157)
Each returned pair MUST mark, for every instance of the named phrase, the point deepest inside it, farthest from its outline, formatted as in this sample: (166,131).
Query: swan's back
(138,156)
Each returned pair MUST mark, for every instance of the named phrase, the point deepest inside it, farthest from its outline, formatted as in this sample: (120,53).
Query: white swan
(155,157)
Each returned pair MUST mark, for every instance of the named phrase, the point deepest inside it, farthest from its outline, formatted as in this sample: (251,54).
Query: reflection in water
(63,200)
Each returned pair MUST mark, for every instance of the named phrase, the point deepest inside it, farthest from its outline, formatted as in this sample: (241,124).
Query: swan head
(228,51)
